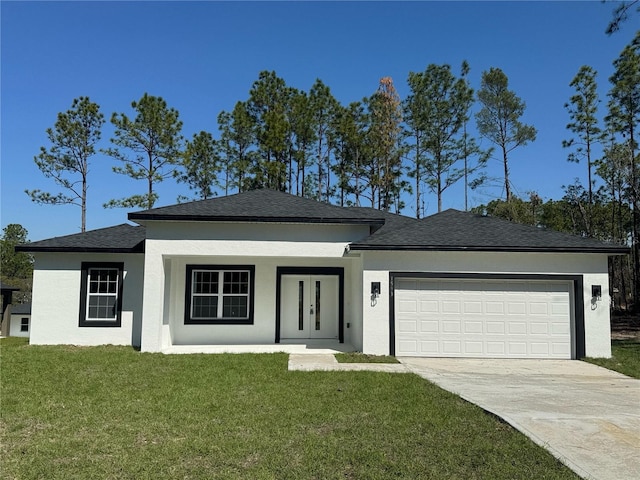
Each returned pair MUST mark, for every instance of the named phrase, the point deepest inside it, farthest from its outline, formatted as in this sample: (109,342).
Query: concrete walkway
(585,415)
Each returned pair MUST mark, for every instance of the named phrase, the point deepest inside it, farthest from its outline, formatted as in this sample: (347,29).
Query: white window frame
(86,295)
(220,270)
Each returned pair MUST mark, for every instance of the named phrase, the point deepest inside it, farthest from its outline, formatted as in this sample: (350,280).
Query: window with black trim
(24,324)
(219,294)
(101,294)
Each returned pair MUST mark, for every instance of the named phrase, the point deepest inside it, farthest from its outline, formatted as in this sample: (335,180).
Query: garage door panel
(483,318)
(517,328)
(494,308)
(539,328)
(407,326)
(473,348)
(495,348)
(516,308)
(494,327)
(408,346)
(473,327)
(560,328)
(559,309)
(429,326)
(540,349)
(452,347)
(451,306)
(449,326)
(560,349)
(474,306)
(539,308)
(517,348)
(429,306)
(407,306)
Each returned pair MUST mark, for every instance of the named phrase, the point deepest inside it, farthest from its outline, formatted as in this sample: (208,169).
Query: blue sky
(202,57)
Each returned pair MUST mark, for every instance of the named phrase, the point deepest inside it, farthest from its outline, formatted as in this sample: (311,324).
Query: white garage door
(482,318)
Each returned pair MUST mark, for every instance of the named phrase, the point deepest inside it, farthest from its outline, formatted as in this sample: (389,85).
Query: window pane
(205,282)
(103,281)
(236,282)
(317,305)
(205,307)
(102,307)
(300,305)
(234,307)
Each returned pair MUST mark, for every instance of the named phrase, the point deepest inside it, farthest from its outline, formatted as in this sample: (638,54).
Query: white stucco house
(267,270)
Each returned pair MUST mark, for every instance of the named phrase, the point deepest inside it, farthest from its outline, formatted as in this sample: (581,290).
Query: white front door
(309,306)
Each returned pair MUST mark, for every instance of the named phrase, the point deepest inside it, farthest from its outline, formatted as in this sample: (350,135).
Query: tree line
(373,152)
(378,151)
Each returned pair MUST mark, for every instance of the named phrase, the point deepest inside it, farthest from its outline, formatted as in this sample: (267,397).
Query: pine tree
(582,108)
(499,118)
(323,108)
(201,165)
(149,146)
(73,142)
(384,136)
(237,140)
(624,120)
(439,107)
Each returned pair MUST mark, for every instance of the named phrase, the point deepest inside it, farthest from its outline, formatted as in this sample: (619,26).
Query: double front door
(309,306)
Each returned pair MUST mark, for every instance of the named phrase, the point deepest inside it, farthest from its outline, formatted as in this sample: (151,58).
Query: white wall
(56,301)
(14,326)
(593,267)
(170,247)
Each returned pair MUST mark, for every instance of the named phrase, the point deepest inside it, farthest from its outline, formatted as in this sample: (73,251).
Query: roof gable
(456,230)
(262,206)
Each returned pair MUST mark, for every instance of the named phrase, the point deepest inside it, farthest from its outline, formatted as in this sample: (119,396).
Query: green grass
(625,358)
(357,357)
(112,412)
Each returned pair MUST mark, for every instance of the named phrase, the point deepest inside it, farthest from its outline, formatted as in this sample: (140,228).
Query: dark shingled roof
(5,287)
(263,206)
(449,230)
(455,230)
(392,221)
(123,238)
(21,309)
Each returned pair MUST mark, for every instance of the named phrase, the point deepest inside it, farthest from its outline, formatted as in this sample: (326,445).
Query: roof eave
(454,248)
(34,249)
(253,219)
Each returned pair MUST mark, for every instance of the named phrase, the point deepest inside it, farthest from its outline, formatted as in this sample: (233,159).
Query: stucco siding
(14,326)
(261,232)
(592,267)
(56,301)
(165,278)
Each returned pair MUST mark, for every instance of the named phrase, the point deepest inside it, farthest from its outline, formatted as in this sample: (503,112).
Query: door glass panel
(317,305)
(300,305)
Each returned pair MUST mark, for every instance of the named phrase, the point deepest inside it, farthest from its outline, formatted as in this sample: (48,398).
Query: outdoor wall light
(596,292)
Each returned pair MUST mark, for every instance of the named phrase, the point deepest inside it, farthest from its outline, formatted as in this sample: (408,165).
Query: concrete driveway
(585,415)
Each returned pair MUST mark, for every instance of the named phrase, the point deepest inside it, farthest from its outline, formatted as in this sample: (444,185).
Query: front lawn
(625,357)
(112,412)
